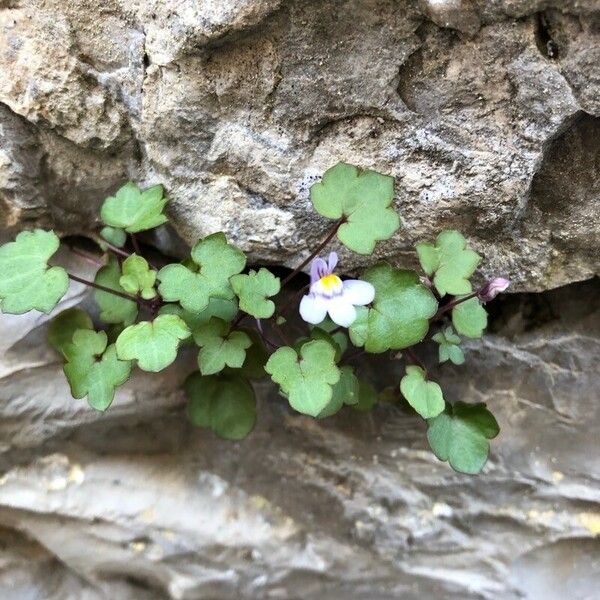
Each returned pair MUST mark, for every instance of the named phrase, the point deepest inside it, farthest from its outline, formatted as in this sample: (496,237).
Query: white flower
(329,294)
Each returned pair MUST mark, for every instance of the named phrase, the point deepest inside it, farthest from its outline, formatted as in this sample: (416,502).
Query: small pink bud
(492,288)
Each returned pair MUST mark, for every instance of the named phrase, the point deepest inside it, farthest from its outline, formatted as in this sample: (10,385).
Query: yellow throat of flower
(331,283)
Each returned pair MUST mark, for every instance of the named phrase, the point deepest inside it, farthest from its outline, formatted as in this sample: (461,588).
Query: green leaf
(217,261)
(367,397)
(320,334)
(138,278)
(220,348)
(449,346)
(113,309)
(223,403)
(307,379)
(254,289)
(26,281)
(153,344)
(451,262)
(363,197)
(345,391)
(64,325)
(424,396)
(113,235)
(469,318)
(460,435)
(256,357)
(92,369)
(133,210)
(217,307)
(400,313)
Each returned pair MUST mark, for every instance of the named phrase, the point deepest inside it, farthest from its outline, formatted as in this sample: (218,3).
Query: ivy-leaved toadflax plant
(240,323)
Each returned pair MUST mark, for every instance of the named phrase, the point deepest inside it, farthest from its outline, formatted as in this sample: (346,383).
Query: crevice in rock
(544,40)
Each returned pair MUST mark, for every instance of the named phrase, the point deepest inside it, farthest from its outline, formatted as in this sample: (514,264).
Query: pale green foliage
(64,325)
(115,236)
(133,210)
(424,396)
(400,313)
(113,309)
(26,281)
(153,344)
(223,403)
(450,262)
(220,348)
(364,199)
(93,369)
(307,380)
(137,277)
(449,348)
(460,435)
(216,261)
(345,391)
(254,289)
(469,318)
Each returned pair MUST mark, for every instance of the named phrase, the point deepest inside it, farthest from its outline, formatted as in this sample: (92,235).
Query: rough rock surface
(136,504)
(486,112)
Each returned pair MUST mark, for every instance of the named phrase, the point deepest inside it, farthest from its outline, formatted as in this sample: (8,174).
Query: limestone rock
(238,106)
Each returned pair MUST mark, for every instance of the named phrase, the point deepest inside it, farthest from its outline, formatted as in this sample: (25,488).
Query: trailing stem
(108,290)
(316,251)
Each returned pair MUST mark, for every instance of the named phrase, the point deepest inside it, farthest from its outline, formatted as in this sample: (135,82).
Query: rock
(135,503)
(238,106)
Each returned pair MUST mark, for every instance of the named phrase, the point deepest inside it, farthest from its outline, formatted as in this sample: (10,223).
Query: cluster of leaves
(146,314)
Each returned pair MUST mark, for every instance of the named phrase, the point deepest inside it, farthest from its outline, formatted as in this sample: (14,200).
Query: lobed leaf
(400,313)
(216,261)
(223,403)
(345,391)
(113,235)
(153,344)
(450,262)
(113,309)
(306,379)
(135,210)
(460,436)
(469,318)
(254,289)
(449,348)
(26,281)
(220,348)
(137,277)
(93,369)
(64,325)
(363,198)
(424,396)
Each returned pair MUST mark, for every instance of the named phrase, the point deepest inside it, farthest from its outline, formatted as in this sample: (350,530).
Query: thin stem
(91,258)
(316,251)
(106,289)
(356,354)
(444,309)
(415,359)
(112,247)
(280,333)
(241,316)
(293,299)
(134,243)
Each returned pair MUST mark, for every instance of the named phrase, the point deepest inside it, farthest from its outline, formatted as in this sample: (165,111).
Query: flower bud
(492,288)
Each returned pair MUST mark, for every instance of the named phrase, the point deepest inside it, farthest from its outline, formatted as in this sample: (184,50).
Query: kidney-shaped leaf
(306,380)
(223,403)
(254,289)
(460,435)
(133,210)
(424,396)
(93,369)
(64,325)
(153,344)
(469,318)
(363,198)
(400,313)
(26,281)
(113,309)
(138,277)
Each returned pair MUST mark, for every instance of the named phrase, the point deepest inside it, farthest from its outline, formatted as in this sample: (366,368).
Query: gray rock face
(136,504)
(487,112)
(477,108)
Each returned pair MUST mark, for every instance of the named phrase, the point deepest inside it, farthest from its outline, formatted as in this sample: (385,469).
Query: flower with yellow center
(328,294)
